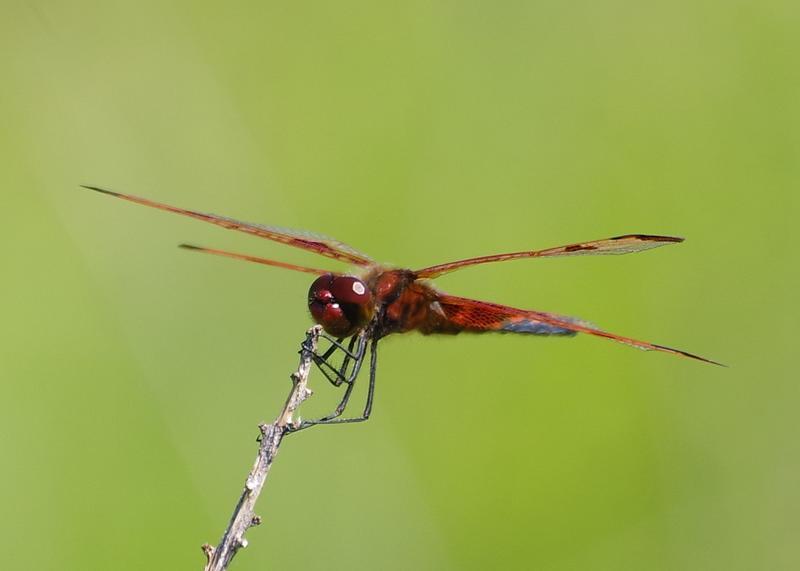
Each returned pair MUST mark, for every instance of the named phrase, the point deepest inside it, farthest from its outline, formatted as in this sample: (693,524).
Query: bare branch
(243,517)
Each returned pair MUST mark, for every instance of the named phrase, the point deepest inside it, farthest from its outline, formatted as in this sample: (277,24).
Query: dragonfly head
(341,304)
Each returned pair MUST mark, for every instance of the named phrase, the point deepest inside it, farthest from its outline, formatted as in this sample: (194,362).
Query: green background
(134,374)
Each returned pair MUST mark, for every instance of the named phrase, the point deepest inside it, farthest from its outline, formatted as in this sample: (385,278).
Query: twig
(243,517)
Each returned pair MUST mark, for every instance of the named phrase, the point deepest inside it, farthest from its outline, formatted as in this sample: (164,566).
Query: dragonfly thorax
(341,304)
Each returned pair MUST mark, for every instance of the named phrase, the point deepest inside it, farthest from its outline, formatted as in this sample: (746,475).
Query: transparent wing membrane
(255,259)
(473,315)
(308,241)
(627,244)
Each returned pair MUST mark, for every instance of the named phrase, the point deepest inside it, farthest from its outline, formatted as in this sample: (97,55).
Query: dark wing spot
(648,238)
(580,247)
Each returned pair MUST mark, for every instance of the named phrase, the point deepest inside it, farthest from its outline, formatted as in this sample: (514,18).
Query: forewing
(318,244)
(627,244)
(472,315)
(255,259)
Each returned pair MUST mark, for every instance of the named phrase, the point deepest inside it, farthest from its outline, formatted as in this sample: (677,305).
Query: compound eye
(320,290)
(341,304)
(350,290)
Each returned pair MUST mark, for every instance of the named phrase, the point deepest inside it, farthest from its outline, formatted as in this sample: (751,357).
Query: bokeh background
(134,374)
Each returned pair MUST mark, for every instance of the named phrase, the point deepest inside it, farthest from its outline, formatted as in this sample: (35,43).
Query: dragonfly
(357,309)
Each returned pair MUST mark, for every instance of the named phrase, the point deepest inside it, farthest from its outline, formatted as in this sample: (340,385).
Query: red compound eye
(341,304)
(346,289)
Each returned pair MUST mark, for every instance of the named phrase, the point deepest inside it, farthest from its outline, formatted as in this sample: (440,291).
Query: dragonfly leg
(336,376)
(337,344)
(333,418)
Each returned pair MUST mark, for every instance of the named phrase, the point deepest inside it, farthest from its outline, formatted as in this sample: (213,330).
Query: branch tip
(208,549)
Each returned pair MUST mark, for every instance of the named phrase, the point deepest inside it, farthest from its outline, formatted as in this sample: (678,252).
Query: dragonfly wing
(311,242)
(462,314)
(255,259)
(471,315)
(626,244)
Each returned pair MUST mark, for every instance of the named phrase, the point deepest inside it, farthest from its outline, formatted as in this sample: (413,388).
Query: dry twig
(243,517)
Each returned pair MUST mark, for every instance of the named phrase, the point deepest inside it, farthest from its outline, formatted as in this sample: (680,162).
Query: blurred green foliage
(134,374)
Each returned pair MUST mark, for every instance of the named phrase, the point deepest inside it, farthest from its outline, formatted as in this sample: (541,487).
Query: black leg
(351,383)
(321,361)
(333,417)
(373,365)
(337,344)
(348,379)
(338,376)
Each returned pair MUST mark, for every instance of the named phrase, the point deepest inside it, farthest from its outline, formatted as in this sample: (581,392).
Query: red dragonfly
(381,300)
